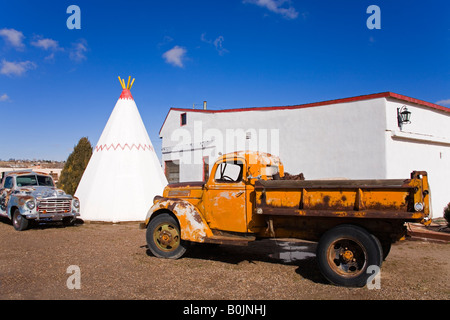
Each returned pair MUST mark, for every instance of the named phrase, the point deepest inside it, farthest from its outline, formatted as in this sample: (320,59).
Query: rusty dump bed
(386,199)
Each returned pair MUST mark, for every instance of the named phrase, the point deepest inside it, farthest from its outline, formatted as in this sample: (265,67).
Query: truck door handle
(240,193)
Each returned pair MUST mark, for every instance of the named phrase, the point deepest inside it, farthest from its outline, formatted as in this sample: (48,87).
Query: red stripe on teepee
(126,94)
(142,147)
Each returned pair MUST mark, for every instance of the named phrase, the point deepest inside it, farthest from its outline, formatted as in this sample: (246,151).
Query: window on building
(172,171)
(183,119)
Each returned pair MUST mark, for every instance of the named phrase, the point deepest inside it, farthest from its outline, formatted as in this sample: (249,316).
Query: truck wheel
(69,221)
(19,222)
(380,247)
(164,237)
(386,245)
(345,252)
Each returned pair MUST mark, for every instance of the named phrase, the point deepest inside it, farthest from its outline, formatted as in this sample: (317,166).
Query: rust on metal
(192,225)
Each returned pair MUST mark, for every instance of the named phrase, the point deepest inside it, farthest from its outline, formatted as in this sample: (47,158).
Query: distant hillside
(28,164)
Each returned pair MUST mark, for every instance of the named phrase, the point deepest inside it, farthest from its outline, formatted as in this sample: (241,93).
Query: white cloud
(4,97)
(166,40)
(16,68)
(47,44)
(203,38)
(445,102)
(50,57)
(175,56)
(282,7)
(78,51)
(218,43)
(13,37)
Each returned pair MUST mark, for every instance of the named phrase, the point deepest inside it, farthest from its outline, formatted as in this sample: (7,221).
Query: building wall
(422,145)
(338,140)
(354,140)
(334,141)
(182,144)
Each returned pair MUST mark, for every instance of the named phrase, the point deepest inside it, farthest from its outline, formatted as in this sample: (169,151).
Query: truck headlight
(156,199)
(418,206)
(30,204)
(76,203)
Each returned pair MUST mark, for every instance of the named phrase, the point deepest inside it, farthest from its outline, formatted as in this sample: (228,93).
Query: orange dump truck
(246,199)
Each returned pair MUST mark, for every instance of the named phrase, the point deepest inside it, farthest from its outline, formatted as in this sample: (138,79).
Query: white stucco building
(355,138)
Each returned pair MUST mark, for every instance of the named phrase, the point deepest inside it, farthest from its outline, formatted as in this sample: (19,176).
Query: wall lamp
(403,116)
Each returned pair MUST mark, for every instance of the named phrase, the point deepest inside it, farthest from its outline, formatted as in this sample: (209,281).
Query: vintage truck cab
(27,196)
(246,199)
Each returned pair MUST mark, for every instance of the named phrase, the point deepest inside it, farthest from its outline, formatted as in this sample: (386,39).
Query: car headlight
(76,203)
(30,204)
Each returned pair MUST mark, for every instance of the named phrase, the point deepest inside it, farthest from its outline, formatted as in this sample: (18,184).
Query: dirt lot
(115,264)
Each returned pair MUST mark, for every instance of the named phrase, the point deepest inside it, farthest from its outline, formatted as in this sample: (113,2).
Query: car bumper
(52,216)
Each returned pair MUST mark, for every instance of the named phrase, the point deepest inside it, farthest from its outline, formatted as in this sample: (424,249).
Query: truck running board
(229,240)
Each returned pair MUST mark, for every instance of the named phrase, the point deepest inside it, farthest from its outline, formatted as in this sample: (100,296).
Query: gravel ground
(115,264)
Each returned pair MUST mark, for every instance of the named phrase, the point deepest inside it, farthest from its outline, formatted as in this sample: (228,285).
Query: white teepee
(124,173)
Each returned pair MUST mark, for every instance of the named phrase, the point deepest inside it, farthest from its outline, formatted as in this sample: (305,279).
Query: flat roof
(387,94)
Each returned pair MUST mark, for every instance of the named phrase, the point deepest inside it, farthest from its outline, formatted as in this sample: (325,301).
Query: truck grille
(54,206)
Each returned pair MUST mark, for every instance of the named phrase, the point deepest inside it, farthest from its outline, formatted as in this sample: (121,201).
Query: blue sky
(58,84)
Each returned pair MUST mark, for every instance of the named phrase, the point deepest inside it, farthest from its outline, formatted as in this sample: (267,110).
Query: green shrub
(75,165)
(447,214)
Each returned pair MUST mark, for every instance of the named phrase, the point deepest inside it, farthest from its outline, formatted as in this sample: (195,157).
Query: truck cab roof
(257,162)
(21,172)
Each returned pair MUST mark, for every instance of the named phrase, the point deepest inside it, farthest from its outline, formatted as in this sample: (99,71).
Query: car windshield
(34,180)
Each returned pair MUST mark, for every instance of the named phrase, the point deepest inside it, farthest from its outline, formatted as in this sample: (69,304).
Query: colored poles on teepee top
(129,85)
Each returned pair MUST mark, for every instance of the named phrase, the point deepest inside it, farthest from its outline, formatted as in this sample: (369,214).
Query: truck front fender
(192,225)
(18,201)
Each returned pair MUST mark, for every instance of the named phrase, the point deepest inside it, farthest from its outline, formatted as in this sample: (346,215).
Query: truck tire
(19,222)
(380,247)
(69,221)
(345,252)
(386,245)
(164,237)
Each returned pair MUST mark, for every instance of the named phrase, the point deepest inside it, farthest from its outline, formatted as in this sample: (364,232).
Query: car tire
(19,222)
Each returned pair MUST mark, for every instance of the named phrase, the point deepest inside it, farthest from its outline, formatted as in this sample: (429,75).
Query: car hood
(42,192)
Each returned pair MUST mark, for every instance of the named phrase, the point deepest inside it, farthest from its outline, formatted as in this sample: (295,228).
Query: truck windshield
(34,180)
(230,171)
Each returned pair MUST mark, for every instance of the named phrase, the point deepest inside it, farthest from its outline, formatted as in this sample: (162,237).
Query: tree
(447,214)
(75,165)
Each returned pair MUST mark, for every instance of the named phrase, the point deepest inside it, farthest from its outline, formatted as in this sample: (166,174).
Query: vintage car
(27,196)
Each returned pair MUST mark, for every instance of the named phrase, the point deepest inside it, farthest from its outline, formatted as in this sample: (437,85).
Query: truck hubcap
(347,257)
(166,237)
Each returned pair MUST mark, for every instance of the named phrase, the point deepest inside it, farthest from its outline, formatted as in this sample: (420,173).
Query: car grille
(54,206)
